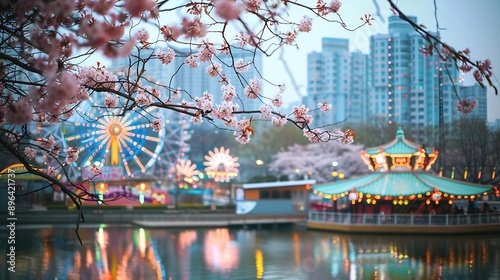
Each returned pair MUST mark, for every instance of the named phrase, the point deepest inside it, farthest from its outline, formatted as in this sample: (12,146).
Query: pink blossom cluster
(314,135)
(175,94)
(244,39)
(165,57)
(214,69)
(17,112)
(71,154)
(305,24)
(325,107)
(207,50)
(324,9)
(51,171)
(240,66)
(47,143)
(243,135)
(157,124)
(466,106)
(301,116)
(110,101)
(253,5)
(143,98)
(192,61)
(265,111)
(197,119)
(483,69)
(95,170)
(225,110)
(277,100)
(96,77)
(290,37)
(279,121)
(30,153)
(228,92)
(254,88)
(205,102)
(228,9)
(143,36)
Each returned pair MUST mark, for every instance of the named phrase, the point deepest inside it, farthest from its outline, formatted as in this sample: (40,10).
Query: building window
(275,194)
(264,195)
(286,194)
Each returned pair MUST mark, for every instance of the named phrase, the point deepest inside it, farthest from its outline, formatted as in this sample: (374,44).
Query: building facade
(395,83)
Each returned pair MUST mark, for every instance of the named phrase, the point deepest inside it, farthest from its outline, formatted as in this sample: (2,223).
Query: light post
(297,172)
(260,164)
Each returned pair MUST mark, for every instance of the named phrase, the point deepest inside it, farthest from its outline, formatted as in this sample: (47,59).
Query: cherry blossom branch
(483,69)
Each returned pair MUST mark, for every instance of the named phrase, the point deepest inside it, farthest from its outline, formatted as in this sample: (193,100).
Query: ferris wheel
(122,143)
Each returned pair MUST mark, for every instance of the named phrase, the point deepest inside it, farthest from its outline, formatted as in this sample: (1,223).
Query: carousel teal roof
(401,184)
(399,146)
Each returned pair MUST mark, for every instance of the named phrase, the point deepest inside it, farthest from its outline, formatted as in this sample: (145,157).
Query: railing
(403,219)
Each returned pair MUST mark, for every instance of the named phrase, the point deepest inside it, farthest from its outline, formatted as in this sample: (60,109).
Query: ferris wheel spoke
(139,163)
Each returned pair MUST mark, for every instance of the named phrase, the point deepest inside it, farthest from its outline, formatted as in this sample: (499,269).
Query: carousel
(400,195)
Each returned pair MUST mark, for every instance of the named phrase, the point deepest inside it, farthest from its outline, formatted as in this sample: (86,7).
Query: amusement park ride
(133,158)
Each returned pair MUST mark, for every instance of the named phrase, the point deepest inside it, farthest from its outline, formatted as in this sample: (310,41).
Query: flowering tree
(44,43)
(316,160)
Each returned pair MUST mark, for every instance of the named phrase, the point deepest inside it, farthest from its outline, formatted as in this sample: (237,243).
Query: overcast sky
(472,24)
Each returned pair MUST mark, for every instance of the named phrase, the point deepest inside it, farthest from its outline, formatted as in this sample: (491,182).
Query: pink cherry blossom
(254,88)
(228,9)
(193,28)
(314,136)
(466,106)
(277,100)
(214,69)
(205,102)
(253,5)
(305,24)
(51,171)
(71,154)
(241,137)
(192,61)
(30,153)
(335,6)
(228,92)
(157,124)
(19,112)
(137,7)
(165,57)
(95,170)
(240,66)
(207,50)
(170,33)
(325,107)
(110,101)
(143,99)
(196,119)
(265,111)
(47,143)
(143,36)
(290,37)
(278,121)
(176,93)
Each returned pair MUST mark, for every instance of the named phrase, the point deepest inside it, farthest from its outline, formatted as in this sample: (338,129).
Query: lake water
(110,252)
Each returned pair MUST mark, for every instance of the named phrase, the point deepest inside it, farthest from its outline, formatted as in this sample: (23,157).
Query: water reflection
(139,253)
(220,252)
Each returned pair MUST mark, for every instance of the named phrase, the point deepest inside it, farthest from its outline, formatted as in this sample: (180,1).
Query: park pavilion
(399,185)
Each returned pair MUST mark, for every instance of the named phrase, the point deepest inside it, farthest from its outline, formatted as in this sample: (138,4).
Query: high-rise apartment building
(328,75)
(395,83)
(408,85)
